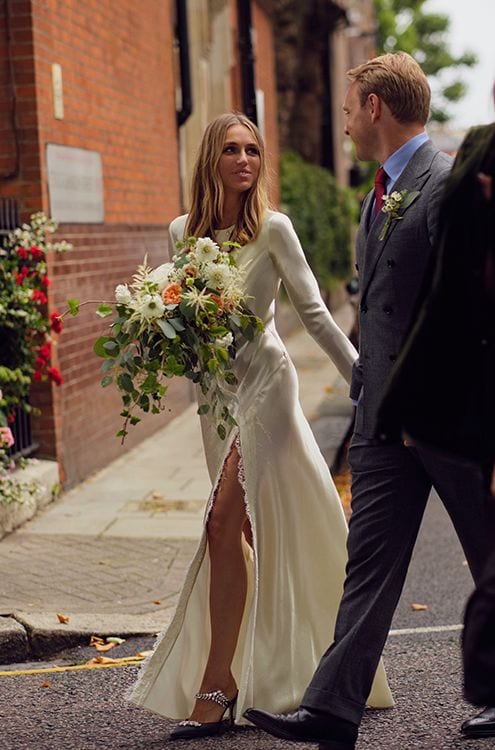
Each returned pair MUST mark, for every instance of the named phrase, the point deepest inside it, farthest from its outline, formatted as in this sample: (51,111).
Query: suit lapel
(414,176)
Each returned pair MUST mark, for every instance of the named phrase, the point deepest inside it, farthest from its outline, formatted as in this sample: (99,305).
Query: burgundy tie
(380,182)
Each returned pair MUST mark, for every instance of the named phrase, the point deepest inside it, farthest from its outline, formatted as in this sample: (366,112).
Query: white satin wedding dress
(296,566)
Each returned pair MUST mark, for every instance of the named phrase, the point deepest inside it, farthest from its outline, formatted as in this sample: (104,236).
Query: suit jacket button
(392,357)
(390,263)
(364,309)
(388,309)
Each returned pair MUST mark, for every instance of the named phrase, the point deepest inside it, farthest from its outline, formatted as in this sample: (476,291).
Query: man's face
(358,124)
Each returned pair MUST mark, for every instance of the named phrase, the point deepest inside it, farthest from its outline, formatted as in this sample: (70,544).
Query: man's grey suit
(390,483)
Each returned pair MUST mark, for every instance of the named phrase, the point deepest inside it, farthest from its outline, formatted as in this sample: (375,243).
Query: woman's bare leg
(228,587)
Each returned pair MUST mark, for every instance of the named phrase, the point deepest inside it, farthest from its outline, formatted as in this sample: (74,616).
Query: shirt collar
(397,162)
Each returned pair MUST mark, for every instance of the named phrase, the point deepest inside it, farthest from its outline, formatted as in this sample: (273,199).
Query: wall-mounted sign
(58,91)
(75,184)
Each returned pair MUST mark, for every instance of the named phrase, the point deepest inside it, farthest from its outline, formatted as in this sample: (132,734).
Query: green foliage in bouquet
(182,319)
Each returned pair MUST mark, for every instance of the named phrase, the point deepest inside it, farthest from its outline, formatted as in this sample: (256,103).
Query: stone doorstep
(46,474)
(24,634)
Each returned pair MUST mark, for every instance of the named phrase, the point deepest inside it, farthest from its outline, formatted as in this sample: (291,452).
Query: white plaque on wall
(75,184)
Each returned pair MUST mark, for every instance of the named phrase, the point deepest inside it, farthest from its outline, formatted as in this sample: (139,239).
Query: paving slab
(13,640)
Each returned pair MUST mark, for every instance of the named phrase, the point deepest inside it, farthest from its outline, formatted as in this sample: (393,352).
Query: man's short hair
(399,81)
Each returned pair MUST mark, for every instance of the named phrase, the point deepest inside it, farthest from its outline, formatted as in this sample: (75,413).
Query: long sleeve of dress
(301,286)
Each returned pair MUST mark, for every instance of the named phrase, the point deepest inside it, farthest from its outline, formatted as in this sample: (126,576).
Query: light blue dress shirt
(398,161)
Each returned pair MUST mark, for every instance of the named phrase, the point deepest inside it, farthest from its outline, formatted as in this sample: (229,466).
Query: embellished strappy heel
(188,729)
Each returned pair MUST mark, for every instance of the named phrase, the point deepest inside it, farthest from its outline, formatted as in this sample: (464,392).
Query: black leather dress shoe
(305,725)
(481,725)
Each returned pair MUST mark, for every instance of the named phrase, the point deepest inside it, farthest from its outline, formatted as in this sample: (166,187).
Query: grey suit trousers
(390,488)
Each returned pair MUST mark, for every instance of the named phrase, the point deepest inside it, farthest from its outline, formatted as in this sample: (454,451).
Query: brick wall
(20,175)
(105,256)
(119,100)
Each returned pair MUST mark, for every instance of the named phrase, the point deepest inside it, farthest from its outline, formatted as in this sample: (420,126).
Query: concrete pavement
(110,555)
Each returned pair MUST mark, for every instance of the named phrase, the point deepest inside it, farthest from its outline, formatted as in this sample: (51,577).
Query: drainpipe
(246,57)
(185,72)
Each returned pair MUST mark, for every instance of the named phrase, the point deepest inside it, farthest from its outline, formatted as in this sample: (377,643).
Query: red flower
(36,253)
(45,281)
(40,362)
(45,351)
(37,376)
(22,253)
(39,297)
(23,273)
(55,375)
(11,419)
(56,322)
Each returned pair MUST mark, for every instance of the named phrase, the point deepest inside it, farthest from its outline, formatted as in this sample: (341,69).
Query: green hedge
(323,214)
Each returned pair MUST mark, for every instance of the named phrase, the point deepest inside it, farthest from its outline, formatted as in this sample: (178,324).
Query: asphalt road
(86,710)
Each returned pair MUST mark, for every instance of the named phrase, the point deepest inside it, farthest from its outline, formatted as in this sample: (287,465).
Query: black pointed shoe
(306,725)
(481,725)
(190,730)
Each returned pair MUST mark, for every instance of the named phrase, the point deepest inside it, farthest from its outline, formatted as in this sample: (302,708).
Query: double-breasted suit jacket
(457,316)
(391,272)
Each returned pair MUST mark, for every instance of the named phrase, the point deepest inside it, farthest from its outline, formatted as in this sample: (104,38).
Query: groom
(386,109)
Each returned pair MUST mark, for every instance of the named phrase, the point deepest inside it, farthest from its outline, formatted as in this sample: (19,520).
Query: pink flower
(6,437)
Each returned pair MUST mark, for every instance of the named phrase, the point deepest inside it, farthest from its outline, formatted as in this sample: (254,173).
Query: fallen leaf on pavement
(157,601)
(419,607)
(45,684)
(106,660)
(143,654)
(95,639)
(63,619)
(104,646)
(329,389)
(115,639)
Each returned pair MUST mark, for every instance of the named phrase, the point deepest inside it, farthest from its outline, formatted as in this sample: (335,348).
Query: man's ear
(374,104)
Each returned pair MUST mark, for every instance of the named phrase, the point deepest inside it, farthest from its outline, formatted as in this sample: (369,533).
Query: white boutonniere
(394,205)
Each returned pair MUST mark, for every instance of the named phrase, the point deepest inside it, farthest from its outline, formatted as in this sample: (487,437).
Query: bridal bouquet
(183,318)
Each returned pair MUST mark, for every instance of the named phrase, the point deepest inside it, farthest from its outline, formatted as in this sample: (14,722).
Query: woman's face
(239,163)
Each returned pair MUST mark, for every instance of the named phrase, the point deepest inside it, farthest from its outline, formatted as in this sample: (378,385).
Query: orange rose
(218,300)
(172,294)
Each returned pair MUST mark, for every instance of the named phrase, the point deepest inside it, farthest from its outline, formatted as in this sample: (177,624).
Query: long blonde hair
(207,194)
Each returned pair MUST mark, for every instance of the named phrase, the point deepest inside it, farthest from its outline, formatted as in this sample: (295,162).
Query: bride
(258,605)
